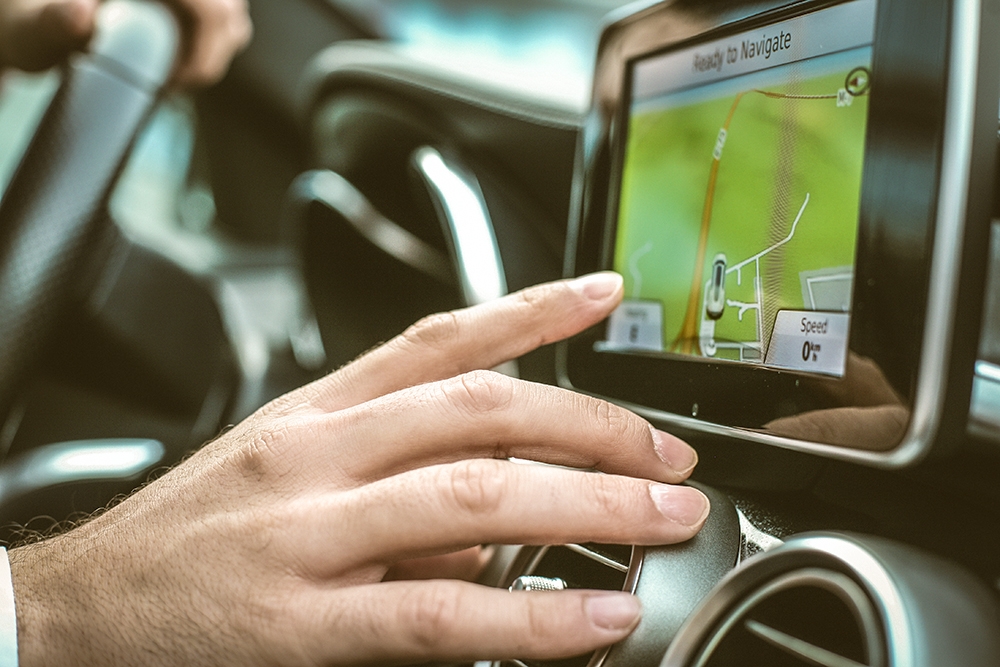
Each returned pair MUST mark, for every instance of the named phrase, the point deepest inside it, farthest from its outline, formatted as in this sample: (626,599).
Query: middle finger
(484,414)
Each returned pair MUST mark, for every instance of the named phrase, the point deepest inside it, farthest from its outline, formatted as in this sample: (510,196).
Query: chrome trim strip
(953,202)
(864,565)
(634,570)
(838,584)
(527,582)
(465,220)
(594,556)
(631,584)
(338,194)
(535,559)
(984,410)
(79,461)
(752,535)
(988,371)
(828,451)
(899,642)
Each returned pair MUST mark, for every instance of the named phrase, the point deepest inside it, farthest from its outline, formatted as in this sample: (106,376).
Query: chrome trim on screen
(956,166)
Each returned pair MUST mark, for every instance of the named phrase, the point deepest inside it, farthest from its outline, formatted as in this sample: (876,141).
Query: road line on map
(684,343)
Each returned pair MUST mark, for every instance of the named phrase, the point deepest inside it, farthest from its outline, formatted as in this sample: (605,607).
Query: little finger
(414,622)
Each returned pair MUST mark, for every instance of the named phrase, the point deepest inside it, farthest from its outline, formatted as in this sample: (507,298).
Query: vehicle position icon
(715,301)
(858,81)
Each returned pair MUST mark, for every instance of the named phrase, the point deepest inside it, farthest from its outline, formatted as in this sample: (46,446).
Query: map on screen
(739,212)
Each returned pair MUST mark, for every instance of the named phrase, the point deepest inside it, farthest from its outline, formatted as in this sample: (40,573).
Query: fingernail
(680,504)
(613,611)
(598,286)
(673,451)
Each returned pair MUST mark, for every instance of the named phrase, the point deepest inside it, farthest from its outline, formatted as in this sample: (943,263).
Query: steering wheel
(50,216)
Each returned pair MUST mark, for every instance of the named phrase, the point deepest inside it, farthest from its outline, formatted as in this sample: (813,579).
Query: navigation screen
(740,195)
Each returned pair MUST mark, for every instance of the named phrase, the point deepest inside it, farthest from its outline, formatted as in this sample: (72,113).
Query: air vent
(581,566)
(813,617)
(842,600)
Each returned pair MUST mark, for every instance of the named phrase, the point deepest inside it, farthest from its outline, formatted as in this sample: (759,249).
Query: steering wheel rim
(50,215)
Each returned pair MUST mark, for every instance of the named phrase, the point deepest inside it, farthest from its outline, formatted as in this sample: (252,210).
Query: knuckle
(538,624)
(612,420)
(434,331)
(474,487)
(264,454)
(479,392)
(258,454)
(429,614)
(538,308)
(537,299)
(608,496)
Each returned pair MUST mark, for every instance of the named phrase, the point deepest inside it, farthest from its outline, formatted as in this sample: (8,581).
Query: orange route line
(684,343)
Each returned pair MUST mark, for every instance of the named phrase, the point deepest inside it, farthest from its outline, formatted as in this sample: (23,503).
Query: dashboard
(778,206)
(546,49)
(799,194)
(868,538)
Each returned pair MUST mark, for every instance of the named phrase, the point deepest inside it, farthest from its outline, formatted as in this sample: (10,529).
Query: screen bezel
(920,47)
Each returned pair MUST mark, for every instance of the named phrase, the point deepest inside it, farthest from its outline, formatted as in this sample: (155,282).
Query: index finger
(482,337)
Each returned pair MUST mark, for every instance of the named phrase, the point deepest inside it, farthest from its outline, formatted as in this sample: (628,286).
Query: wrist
(45,623)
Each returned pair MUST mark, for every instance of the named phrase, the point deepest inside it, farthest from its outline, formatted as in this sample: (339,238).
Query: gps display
(740,193)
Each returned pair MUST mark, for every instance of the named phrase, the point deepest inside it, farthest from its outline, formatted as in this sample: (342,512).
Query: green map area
(765,175)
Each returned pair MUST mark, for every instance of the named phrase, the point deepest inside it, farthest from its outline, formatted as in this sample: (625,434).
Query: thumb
(37,35)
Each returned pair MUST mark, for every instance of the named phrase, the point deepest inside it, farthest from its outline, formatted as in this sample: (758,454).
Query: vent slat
(600,558)
(579,566)
(809,653)
(812,617)
(579,570)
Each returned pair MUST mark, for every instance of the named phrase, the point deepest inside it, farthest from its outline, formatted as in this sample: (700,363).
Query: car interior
(801,196)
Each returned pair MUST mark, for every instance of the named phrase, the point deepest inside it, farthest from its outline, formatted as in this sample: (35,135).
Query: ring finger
(446,508)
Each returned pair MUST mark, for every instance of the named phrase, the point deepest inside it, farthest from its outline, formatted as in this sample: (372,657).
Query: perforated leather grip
(48,214)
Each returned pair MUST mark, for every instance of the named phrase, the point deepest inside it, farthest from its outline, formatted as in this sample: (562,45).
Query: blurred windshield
(544,48)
